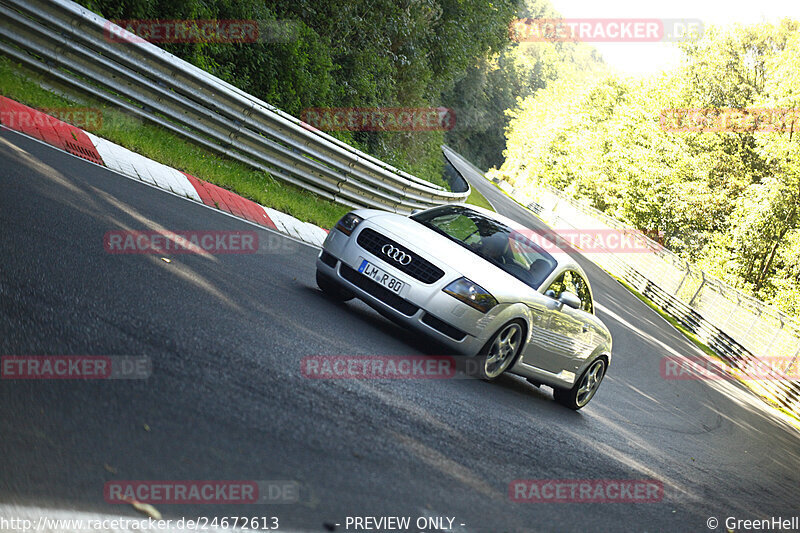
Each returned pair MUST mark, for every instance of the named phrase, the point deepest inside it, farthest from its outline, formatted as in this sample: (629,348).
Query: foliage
(726,200)
(495,83)
(344,53)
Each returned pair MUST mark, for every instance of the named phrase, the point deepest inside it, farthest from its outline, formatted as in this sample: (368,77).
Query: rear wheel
(333,289)
(501,351)
(584,389)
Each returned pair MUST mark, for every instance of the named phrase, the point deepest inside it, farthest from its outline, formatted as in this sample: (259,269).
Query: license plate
(375,273)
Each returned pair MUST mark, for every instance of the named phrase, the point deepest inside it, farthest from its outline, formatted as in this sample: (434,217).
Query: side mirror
(567,298)
(415,211)
(550,294)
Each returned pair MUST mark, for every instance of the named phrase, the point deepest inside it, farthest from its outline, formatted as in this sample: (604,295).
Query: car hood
(442,251)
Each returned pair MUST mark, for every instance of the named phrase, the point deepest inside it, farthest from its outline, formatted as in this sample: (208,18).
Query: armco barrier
(70,44)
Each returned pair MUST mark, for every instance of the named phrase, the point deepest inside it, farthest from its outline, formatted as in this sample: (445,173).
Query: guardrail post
(683,279)
(774,337)
(796,355)
(699,288)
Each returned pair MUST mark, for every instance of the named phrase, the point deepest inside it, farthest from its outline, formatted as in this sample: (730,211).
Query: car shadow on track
(360,314)
(369,318)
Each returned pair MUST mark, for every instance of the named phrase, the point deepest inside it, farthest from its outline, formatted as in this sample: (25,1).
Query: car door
(560,341)
(591,332)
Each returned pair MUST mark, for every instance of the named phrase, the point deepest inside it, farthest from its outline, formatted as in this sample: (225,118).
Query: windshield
(506,248)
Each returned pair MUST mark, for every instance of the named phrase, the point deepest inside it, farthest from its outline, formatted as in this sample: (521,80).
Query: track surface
(226,399)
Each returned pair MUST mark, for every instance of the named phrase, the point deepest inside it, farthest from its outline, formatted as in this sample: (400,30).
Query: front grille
(419,268)
(443,327)
(378,291)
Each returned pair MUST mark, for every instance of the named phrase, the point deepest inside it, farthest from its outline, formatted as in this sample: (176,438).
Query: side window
(583,293)
(557,286)
(564,282)
(569,282)
(573,282)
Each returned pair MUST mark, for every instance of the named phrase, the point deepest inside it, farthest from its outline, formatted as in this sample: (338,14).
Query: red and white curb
(75,141)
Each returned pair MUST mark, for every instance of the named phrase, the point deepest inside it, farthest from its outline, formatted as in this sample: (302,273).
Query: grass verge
(476,198)
(25,86)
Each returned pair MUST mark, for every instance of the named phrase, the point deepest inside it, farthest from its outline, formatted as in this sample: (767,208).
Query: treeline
(722,187)
(344,53)
(380,53)
(496,83)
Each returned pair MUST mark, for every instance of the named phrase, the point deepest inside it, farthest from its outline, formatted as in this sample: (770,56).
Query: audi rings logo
(398,255)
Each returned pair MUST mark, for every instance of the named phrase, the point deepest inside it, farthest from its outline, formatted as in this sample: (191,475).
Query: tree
(728,200)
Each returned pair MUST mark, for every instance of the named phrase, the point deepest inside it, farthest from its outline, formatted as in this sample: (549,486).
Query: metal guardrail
(747,333)
(454,177)
(70,44)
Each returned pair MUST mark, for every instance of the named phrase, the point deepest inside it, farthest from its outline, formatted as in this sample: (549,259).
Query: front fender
(499,316)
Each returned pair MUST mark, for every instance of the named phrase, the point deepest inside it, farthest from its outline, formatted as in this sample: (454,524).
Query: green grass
(22,85)
(476,198)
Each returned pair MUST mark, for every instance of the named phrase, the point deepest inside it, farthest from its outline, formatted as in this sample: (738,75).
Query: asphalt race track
(226,399)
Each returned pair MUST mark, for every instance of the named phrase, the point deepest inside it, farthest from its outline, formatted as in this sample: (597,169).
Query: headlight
(348,223)
(471,294)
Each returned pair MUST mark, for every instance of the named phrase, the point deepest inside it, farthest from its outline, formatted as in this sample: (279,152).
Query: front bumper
(422,307)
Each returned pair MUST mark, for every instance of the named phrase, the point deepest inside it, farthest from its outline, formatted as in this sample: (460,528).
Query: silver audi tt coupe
(479,283)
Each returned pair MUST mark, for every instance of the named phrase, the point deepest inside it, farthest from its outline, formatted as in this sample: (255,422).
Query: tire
(502,350)
(332,289)
(585,387)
